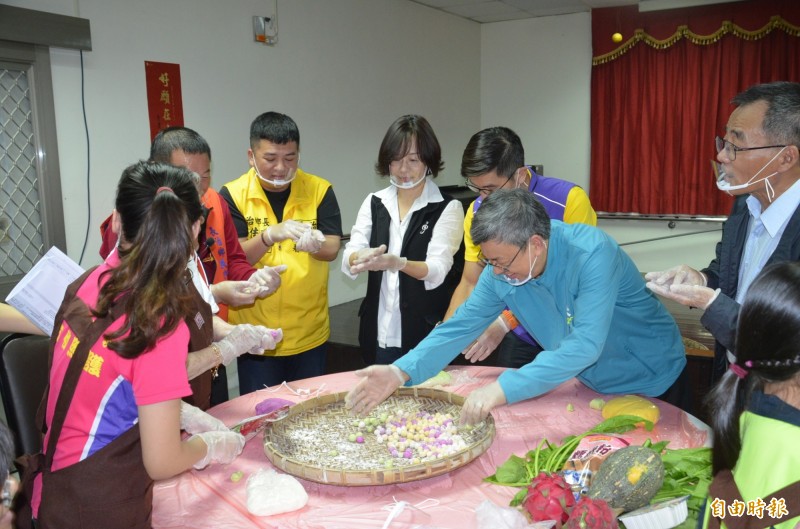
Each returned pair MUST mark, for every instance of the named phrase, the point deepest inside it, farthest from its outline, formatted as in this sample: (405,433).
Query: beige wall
(344,70)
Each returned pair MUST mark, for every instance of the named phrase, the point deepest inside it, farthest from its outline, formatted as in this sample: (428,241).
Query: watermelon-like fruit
(591,513)
(628,478)
(549,498)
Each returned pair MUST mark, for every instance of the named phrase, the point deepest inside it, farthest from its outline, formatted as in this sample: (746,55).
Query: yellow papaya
(632,405)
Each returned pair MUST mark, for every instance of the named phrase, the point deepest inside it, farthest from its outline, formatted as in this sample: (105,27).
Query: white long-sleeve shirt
(445,240)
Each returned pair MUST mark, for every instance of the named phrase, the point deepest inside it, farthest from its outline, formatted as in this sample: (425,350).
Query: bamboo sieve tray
(312,441)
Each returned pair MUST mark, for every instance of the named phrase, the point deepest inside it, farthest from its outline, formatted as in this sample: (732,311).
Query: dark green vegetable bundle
(687,471)
(518,471)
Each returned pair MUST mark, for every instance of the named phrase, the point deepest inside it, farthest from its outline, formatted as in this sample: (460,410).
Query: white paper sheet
(39,294)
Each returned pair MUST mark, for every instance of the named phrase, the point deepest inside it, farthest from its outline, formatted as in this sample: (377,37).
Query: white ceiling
(500,10)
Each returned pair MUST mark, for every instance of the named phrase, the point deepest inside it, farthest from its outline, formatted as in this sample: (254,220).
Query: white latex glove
(310,241)
(365,254)
(697,296)
(223,447)
(487,342)
(194,420)
(269,340)
(376,259)
(378,382)
(480,402)
(234,293)
(244,338)
(288,229)
(677,275)
(266,280)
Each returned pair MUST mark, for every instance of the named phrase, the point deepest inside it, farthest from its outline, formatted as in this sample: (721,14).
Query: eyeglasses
(505,268)
(731,149)
(5,499)
(485,190)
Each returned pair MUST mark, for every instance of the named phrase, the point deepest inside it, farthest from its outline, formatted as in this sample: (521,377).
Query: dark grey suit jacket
(721,316)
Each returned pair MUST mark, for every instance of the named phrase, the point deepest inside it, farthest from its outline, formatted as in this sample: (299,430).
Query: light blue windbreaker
(589,310)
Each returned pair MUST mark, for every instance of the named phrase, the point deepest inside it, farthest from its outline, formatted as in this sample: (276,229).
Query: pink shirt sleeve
(160,374)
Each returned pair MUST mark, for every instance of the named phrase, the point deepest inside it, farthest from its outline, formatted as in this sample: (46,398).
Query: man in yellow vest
(285,216)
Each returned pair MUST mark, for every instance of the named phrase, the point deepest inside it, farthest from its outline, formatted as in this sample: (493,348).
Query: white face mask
(408,184)
(724,185)
(519,282)
(291,173)
(521,184)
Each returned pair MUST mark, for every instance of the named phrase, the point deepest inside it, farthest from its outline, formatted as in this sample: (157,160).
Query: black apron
(90,493)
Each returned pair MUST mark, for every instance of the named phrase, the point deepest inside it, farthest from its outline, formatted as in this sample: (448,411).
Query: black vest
(420,309)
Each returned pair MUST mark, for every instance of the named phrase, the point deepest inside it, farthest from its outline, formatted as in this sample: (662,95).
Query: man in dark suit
(759,164)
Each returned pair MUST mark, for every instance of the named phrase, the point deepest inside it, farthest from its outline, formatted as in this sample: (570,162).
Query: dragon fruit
(591,513)
(549,498)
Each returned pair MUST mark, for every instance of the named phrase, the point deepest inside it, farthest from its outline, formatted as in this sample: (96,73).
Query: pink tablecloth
(209,498)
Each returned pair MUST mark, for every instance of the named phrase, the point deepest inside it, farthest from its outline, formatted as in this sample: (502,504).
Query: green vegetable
(628,478)
(518,471)
(570,407)
(687,471)
(236,476)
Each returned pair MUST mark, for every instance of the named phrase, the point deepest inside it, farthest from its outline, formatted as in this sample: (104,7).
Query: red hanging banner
(164,100)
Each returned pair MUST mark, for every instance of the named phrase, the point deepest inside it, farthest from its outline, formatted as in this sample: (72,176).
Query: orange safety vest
(215,229)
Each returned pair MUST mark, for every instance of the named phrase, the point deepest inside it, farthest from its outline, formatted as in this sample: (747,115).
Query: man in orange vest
(230,277)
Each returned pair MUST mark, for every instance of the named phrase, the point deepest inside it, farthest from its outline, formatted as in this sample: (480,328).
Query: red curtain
(661,95)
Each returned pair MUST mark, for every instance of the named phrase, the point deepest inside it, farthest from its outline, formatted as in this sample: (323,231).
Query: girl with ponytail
(113,412)
(755,409)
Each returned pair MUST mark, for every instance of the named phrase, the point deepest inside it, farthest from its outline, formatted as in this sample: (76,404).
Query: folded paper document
(39,294)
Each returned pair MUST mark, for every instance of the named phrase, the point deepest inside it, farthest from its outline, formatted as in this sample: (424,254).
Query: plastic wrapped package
(271,493)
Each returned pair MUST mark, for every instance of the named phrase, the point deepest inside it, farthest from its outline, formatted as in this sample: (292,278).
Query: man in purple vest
(495,159)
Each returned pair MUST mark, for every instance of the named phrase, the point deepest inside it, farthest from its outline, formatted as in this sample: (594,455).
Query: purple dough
(270,405)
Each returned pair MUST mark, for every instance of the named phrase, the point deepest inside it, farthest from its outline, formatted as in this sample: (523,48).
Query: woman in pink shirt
(119,365)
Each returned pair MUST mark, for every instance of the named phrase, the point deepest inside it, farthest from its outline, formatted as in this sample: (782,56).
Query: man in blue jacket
(574,290)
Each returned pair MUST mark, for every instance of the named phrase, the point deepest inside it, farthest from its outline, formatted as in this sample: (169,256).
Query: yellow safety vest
(578,211)
(300,305)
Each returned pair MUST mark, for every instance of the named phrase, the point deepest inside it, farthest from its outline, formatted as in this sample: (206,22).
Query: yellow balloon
(616,37)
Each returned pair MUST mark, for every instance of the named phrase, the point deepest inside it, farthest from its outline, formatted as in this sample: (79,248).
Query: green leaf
(621,424)
(659,447)
(512,471)
(547,457)
(518,498)
(687,471)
